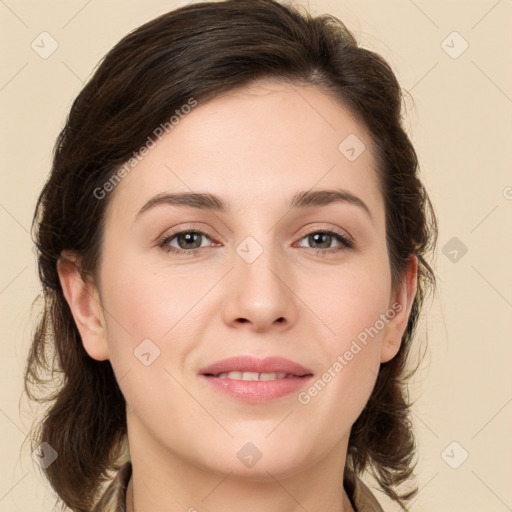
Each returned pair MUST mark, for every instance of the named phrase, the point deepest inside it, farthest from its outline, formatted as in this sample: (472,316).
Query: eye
(323,241)
(185,241)
(189,242)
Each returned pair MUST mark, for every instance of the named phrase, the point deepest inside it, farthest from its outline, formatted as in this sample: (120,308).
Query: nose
(260,295)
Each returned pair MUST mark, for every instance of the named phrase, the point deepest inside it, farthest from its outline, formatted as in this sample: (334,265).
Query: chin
(254,457)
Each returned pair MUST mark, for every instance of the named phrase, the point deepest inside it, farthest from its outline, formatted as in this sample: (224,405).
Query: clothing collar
(114,498)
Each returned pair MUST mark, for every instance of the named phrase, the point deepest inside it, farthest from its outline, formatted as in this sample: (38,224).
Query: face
(294,266)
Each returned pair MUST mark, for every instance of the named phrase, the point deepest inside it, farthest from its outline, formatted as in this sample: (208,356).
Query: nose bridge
(258,268)
(260,273)
(260,292)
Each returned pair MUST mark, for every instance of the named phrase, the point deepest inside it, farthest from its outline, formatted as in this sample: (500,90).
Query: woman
(232,247)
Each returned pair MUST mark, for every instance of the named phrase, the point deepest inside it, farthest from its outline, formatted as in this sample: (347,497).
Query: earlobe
(402,306)
(83,300)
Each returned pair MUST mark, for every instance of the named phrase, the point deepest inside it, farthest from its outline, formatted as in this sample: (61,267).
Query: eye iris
(189,238)
(317,238)
(192,240)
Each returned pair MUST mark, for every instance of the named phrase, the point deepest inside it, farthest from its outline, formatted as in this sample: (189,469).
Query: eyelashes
(196,237)
(332,236)
(183,236)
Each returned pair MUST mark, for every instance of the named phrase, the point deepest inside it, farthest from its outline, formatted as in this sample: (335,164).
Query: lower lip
(258,391)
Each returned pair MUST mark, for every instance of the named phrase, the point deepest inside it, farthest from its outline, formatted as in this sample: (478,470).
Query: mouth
(252,376)
(254,380)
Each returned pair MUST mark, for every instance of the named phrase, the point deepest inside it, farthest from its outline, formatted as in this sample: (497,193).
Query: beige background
(460,122)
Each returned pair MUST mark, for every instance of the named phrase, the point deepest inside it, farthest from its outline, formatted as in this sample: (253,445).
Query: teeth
(253,375)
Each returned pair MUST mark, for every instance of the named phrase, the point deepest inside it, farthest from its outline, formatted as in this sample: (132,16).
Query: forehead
(261,143)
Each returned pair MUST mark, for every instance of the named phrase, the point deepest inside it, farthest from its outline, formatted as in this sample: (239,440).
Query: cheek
(348,301)
(151,326)
(159,313)
(150,304)
(350,305)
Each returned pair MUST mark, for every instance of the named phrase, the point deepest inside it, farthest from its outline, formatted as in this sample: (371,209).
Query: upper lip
(253,364)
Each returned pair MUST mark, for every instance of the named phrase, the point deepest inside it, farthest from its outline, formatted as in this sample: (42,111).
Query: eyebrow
(211,202)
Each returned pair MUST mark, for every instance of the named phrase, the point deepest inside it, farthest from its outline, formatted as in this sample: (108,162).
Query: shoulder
(114,497)
(361,497)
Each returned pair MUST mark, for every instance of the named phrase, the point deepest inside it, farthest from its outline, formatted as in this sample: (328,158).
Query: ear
(84,301)
(399,311)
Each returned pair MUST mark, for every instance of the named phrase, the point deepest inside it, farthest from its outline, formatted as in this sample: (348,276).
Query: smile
(254,375)
(254,380)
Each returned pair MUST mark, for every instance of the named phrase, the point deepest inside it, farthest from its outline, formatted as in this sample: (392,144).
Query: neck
(161,481)
(344,506)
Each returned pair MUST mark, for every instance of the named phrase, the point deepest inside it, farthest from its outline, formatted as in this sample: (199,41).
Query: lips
(249,364)
(253,380)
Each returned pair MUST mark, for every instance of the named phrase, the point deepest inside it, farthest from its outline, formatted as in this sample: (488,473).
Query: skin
(255,148)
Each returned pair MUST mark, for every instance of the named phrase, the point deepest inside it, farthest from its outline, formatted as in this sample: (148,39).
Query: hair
(202,51)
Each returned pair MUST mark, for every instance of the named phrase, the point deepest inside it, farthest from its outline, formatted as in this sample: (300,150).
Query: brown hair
(201,51)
